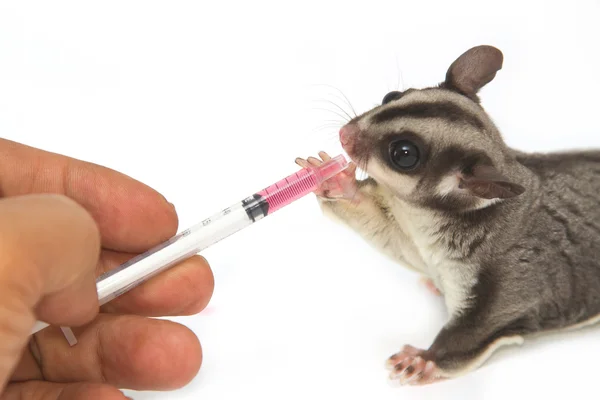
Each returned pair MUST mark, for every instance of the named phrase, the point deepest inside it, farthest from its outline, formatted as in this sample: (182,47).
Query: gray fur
(508,267)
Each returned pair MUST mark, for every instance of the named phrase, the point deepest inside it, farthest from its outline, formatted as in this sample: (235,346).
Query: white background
(211,101)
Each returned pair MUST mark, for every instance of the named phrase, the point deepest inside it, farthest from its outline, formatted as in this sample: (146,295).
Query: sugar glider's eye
(404,154)
(390,97)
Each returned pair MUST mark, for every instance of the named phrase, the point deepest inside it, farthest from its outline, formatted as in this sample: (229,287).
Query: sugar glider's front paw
(411,366)
(340,187)
(430,286)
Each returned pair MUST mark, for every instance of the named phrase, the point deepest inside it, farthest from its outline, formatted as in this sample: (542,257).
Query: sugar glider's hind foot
(411,367)
(340,187)
(463,345)
(430,286)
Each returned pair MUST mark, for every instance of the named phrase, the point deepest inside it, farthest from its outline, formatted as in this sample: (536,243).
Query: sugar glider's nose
(348,134)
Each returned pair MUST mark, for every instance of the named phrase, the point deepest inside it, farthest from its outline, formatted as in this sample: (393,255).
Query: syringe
(210,231)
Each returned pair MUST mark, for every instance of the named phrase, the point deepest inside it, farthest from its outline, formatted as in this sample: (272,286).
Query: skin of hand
(63,222)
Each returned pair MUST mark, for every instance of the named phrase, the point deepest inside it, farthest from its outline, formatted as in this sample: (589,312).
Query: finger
(126,351)
(302,163)
(314,161)
(50,247)
(131,216)
(184,289)
(351,168)
(61,391)
(324,156)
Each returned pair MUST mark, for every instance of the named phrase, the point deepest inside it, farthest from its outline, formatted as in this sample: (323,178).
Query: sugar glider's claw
(411,367)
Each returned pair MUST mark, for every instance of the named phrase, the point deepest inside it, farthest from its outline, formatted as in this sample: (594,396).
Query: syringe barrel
(212,230)
(215,228)
(180,247)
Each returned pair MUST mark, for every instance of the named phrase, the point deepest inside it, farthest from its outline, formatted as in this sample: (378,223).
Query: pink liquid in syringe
(300,184)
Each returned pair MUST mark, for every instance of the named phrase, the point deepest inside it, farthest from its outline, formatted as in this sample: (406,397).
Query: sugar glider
(510,239)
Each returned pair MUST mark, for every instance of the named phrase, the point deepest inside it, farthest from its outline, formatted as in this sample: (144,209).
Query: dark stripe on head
(451,158)
(443,110)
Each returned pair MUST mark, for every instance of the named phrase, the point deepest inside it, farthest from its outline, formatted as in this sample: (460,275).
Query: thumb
(49,248)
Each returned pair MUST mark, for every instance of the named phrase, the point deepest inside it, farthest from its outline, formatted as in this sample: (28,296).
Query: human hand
(63,222)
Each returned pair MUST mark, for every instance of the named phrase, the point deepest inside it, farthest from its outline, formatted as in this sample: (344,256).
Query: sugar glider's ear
(474,69)
(487,183)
